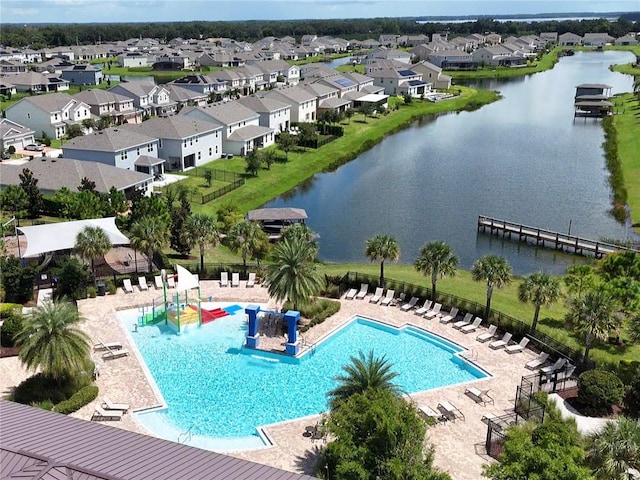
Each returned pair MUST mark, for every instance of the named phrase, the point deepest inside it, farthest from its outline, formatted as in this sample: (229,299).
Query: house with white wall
(273,113)
(303,103)
(104,103)
(14,134)
(400,81)
(152,99)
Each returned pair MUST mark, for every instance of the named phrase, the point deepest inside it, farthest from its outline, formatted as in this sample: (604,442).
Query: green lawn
(627,126)
(547,62)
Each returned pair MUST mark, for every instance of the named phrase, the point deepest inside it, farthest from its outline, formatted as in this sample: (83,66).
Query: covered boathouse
(273,220)
(592,100)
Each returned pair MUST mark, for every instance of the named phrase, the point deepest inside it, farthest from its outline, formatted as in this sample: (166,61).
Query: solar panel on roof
(406,73)
(345,82)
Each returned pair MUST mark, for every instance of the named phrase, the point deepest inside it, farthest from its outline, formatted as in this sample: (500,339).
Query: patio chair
(465,321)
(538,361)
(251,281)
(158,282)
(142,283)
(503,342)
(224,279)
(377,295)
(424,308)
(107,404)
(399,300)
(235,279)
(102,414)
(408,306)
(435,310)
(479,396)
(472,327)
(517,348)
(488,335)
(351,294)
(388,298)
(112,354)
(171,281)
(364,289)
(101,346)
(555,367)
(429,412)
(449,317)
(126,285)
(450,411)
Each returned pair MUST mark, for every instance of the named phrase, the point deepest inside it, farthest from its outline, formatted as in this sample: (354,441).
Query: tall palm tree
(51,340)
(149,235)
(92,243)
(203,230)
(363,373)
(382,247)
(594,316)
(293,275)
(615,449)
(246,238)
(540,289)
(494,270)
(436,259)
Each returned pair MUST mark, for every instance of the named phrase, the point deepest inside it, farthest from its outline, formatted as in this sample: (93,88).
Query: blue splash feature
(233,309)
(222,392)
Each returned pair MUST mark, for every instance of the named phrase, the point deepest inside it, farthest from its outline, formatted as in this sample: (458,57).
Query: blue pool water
(222,391)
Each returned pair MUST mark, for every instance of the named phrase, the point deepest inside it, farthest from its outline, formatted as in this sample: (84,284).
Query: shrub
(111,287)
(82,397)
(599,390)
(44,405)
(41,387)
(11,149)
(9,329)
(7,310)
(317,312)
(632,398)
(91,292)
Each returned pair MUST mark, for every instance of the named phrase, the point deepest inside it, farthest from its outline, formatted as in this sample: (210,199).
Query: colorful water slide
(212,314)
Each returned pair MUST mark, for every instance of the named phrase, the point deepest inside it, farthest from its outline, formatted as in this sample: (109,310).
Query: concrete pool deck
(459,445)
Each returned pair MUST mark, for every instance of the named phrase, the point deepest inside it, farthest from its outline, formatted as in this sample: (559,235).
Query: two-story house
(85,74)
(14,134)
(152,99)
(400,81)
(432,74)
(273,113)
(185,97)
(303,102)
(104,103)
(328,99)
(497,56)
(452,60)
(569,39)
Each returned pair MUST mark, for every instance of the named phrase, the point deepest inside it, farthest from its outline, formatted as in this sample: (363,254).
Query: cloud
(19,12)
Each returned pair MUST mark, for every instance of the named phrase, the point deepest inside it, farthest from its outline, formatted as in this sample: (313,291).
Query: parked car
(5,156)
(34,147)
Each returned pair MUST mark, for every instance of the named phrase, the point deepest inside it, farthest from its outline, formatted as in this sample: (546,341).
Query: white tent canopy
(186,280)
(52,237)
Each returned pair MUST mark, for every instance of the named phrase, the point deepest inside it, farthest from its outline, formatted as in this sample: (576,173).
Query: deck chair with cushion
(434,312)
(142,283)
(449,317)
(171,281)
(479,396)
(235,279)
(102,414)
(429,412)
(101,346)
(538,361)
(408,306)
(503,342)
(488,335)
(424,308)
(472,327)
(450,411)
(158,282)
(555,367)
(126,285)
(388,298)
(224,279)
(517,348)
(251,281)
(364,289)
(351,294)
(377,295)
(112,354)
(464,322)
(107,404)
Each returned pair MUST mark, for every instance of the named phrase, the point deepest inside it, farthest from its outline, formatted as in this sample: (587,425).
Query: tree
(208,176)
(228,215)
(152,206)
(382,247)
(30,186)
(64,198)
(88,205)
(365,109)
(117,202)
(91,243)
(203,231)
(579,278)
(245,237)
(253,163)
(74,130)
(494,270)
(293,275)
(593,316)
(16,279)
(363,373)
(87,185)
(349,113)
(71,277)
(180,240)
(149,235)
(268,157)
(301,232)
(307,134)
(615,449)
(286,142)
(540,289)
(436,259)
(620,264)
(51,340)
(14,200)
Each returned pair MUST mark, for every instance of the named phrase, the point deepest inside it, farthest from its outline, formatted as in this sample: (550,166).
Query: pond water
(523,159)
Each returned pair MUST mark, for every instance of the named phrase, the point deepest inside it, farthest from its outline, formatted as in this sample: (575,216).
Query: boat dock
(548,238)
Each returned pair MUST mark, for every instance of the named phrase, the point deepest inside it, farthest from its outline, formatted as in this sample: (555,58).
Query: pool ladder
(470,354)
(185,436)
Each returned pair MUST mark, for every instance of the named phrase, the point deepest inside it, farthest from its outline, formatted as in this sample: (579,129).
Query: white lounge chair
(517,348)
(479,396)
(364,289)
(506,338)
(101,346)
(388,297)
(251,281)
(235,279)
(171,281)
(158,281)
(377,295)
(424,308)
(102,414)
(142,283)
(351,294)
(449,317)
(409,305)
(464,322)
(471,327)
(224,279)
(488,335)
(538,361)
(435,310)
(450,411)
(111,354)
(555,367)
(429,412)
(126,285)
(107,404)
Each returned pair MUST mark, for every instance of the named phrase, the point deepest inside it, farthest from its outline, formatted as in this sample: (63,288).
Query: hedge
(599,390)
(9,309)
(82,397)
(10,328)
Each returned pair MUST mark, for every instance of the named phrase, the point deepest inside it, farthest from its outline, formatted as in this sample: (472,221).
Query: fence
(235,180)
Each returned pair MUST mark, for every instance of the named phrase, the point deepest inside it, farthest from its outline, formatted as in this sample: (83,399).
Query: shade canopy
(52,237)
(186,279)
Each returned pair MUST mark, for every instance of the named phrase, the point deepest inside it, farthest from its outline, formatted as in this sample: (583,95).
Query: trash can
(102,289)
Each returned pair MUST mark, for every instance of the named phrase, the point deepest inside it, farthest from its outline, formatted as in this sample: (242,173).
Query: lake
(523,159)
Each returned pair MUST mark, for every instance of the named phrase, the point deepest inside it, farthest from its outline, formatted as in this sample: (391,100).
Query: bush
(111,287)
(11,149)
(599,391)
(41,387)
(82,397)
(317,312)
(7,310)
(9,329)
(44,405)
(91,292)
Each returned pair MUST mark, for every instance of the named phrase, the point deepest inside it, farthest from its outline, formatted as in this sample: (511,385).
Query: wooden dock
(548,238)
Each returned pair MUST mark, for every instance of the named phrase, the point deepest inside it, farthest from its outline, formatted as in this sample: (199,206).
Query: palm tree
(615,449)
(91,243)
(540,289)
(594,316)
(436,259)
(203,230)
(363,373)
(494,270)
(50,340)
(302,232)
(247,238)
(382,247)
(293,275)
(149,235)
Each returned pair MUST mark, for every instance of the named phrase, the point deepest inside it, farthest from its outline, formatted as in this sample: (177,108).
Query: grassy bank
(547,62)
(359,137)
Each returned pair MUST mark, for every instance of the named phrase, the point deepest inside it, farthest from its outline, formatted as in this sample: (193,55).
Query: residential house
(119,146)
(384,53)
(6,87)
(422,51)
(38,82)
(53,65)
(185,97)
(328,98)
(104,103)
(452,60)
(413,40)
(303,102)
(12,66)
(200,83)
(49,113)
(273,113)
(278,71)
(400,81)
(133,59)
(597,39)
(152,99)
(171,62)
(569,39)
(497,56)
(14,134)
(241,132)
(388,40)
(432,74)
(220,59)
(628,39)
(493,39)
(549,38)
(85,74)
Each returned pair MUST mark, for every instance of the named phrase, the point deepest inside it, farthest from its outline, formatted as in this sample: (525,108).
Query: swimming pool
(221,392)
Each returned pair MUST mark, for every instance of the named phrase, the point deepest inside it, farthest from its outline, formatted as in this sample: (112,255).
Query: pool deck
(459,445)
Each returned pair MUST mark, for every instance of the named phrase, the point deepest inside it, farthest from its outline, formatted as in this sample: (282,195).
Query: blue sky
(83,11)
